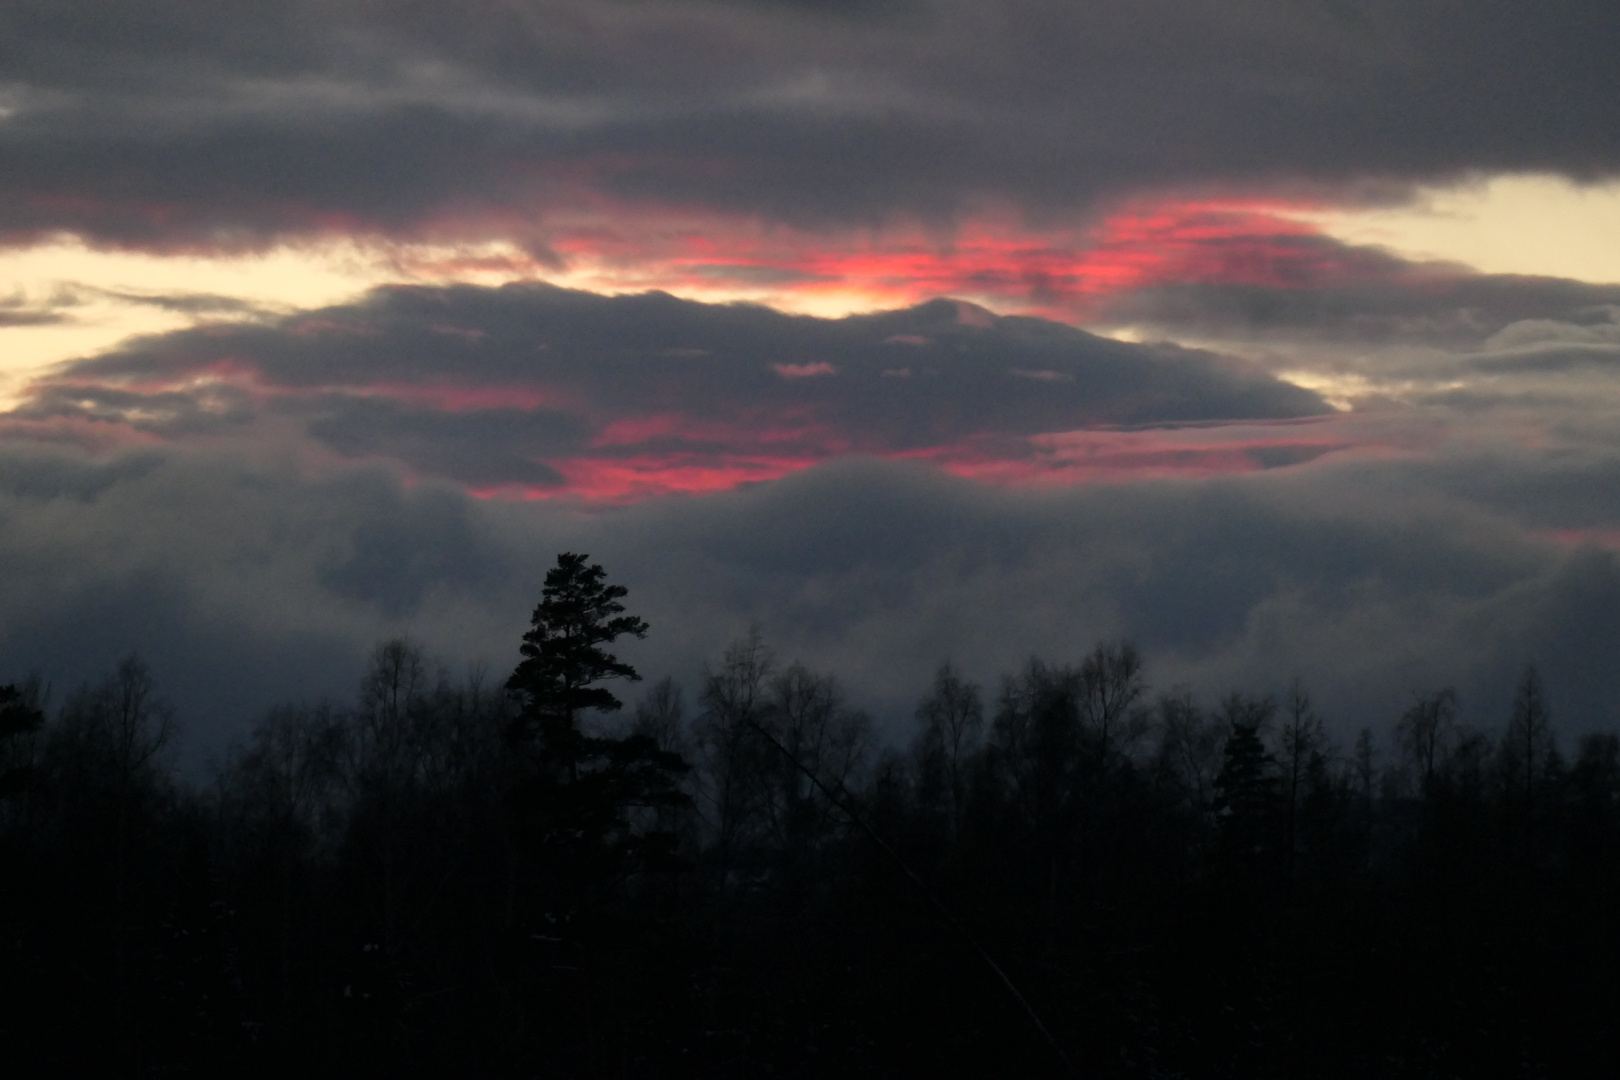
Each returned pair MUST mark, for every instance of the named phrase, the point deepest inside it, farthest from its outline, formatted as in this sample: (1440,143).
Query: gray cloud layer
(196,122)
(494,386)
(1374,299)
(246,581)
(301,490)
(1526,354)
(249,569)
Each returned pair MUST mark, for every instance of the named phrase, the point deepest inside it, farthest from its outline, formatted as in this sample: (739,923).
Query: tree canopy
(564,660)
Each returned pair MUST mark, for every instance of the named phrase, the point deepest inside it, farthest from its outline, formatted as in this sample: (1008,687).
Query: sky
(1280,338)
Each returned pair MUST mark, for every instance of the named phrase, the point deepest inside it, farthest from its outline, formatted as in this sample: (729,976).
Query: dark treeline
(1065,874)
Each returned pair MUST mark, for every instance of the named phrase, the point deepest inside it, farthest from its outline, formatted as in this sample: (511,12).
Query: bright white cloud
(1499,225)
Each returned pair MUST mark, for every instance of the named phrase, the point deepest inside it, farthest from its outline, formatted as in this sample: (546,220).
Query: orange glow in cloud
(1590,537)
(1065,273)
(1062,273)
(629,480)
(761,429)
(628,458)
(1214,450)
(1057,459)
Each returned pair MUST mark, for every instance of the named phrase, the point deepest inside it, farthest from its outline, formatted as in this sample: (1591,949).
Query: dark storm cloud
(1566,356)
(490,446)
(1432,335)
(62,303)
(242,582)
(486,386)
(246,581)
(197,123)
(1569,489)
(1368,297)
(1368,581)
(20,310)
(171,413)
(13,317)
(183,303)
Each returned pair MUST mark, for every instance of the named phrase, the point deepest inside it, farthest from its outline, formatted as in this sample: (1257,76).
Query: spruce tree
(579,796)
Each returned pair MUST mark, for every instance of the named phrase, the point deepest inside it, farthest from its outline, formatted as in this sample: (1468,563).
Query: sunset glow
(1279,338)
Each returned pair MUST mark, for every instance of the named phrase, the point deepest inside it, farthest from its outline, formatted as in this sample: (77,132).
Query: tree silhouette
(1425,732)
(1528,751)
(1299,751)
(576,790)
(735,760)
(1246,789)
(1190,751)
(1109,687)
(20,717)
(432,880)
(564,661)
(951,719)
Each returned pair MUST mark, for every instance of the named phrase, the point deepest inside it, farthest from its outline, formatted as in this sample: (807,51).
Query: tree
(1364,767)
(1190,750)
(586,813)
(1528,749)
(1425,732)
(735,760)
(1246,789)
(1110,685)
(104,759)
(1595,778)
(1300,744)
(20,718)
(282,797)
(952,721)
(576,791)
(817,735)
(1037,750)
(564,661)
(661,716)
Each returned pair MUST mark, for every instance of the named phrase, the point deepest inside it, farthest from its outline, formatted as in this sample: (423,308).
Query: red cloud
(804,371)
(1063,273)
(627,480)
(1060,272)
(1084,456)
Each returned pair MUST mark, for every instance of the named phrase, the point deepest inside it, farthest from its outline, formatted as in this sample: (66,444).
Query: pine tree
(581,796)
(564,661)
(1246,790)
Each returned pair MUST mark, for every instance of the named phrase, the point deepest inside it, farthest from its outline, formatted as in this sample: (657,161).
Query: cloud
(478,448)
(246,581)
(804,371)
(15,317)
(229,125)
(1487,356)
(537,389)
(184,303)
(20,310)
(1383,301)
(255,501)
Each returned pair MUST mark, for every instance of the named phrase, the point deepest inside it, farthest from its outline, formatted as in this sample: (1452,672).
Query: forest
(562,871)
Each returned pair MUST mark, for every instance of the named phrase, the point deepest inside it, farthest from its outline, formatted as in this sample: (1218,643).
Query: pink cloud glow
(1062,272)
(1056,459)
(629,458)
(1065,273)
(1594,537)
(762,429)
(632,479)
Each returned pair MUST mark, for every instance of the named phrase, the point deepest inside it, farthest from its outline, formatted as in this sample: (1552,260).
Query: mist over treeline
(563,871)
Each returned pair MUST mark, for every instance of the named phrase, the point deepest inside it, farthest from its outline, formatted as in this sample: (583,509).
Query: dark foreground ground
(444,880)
